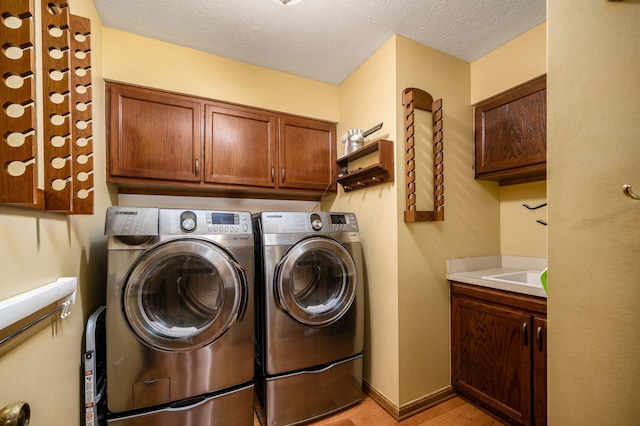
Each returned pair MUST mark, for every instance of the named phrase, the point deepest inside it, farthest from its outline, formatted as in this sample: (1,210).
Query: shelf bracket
(413,99)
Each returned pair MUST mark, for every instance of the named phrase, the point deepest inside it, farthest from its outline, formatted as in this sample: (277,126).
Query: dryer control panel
(343,222)
(307,222)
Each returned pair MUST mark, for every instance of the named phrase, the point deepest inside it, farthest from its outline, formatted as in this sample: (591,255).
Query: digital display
(339,219)
(225,219)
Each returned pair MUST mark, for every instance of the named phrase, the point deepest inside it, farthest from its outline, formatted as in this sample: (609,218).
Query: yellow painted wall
(470,228)
(594,233)
(35,249)
(407,347)
(519,60)
(415,363)
(514,63)
(368,97)
(140,60)
(520,233)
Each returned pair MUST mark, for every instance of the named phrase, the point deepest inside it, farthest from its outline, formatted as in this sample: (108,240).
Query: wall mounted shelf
(374,174)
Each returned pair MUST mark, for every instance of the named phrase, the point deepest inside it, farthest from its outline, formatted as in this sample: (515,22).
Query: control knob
(316,222)
(188,221)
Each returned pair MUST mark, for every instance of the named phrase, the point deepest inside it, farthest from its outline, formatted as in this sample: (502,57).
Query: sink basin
(529,278)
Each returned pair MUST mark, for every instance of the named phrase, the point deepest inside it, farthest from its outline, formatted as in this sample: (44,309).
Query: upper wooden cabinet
(511,134)
(306,154)
(162,142)
(152,134)
(240,146)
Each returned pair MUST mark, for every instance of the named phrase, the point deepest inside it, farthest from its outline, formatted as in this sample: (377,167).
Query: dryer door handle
(276,293)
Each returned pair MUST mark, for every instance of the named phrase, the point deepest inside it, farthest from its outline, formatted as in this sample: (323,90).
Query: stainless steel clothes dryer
(310,315)
(180,317)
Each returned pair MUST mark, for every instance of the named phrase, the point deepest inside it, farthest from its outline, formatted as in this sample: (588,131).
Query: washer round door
(315,281)
(183,294)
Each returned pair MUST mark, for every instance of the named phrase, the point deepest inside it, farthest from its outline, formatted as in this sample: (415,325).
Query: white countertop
(470,270)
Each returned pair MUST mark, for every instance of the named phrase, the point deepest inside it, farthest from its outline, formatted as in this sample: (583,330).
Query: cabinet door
(153,134)
(307,154)
(540,371)
(240,146)
(491,356)
(510,134)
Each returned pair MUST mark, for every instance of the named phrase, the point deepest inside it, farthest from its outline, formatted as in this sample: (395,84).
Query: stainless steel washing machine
(310,315)
(180,317)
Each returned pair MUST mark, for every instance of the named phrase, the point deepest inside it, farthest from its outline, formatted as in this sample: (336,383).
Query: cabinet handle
(525,335)
(273,172)
(539,338)
(283,175)
(197,167)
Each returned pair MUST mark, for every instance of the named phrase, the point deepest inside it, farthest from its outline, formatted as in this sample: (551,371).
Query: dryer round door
(315,281)
(183,294)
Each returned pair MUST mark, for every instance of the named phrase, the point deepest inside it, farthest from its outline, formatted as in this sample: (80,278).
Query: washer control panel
(204,222)
(131,221)
(228,222)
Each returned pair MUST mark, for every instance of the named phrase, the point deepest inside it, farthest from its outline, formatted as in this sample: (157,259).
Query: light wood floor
(454,412)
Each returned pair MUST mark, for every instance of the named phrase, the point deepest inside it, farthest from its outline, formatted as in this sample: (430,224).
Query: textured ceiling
(324,40)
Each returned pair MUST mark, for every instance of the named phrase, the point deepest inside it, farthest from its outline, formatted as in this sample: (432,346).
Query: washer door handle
(244,292)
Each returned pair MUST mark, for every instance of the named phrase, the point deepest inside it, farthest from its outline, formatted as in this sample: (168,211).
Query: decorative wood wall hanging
(82,107)
(67,154)
(413,99)
(18,175)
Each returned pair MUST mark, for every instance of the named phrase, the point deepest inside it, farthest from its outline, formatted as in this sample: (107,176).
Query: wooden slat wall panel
(438,160)
(18,185)
(66,157)
(412,99)
(81,107)
(56,106)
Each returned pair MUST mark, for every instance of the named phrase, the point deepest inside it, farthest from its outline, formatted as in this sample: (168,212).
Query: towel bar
(26,304)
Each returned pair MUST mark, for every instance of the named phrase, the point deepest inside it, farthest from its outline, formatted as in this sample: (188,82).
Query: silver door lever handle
(629,192)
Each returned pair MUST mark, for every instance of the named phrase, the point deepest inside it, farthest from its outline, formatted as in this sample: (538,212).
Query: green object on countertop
(543,280)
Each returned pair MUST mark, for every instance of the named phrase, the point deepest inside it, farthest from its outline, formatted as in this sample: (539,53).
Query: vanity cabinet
(498,352)
(166,143)
(511,134)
